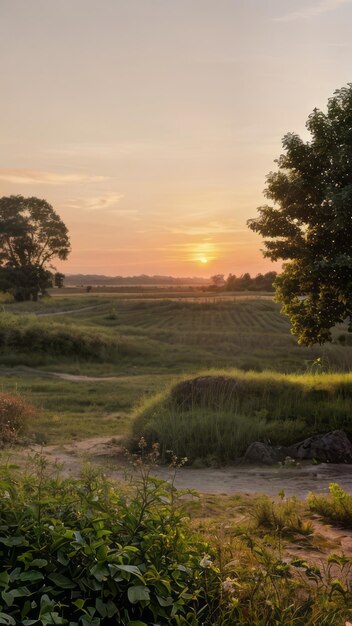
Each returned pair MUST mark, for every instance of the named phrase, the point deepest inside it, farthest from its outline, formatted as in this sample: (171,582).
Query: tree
(59,280)
(31,235)
(217,281)
(309,225)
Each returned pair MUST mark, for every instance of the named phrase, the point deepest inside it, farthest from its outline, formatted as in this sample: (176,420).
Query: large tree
(309,222)
(32,235)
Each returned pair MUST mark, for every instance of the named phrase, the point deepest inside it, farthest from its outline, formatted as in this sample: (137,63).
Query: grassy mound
(23,335)
(215,416)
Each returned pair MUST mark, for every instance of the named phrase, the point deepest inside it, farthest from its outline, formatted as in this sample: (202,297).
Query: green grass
(335,508)
(65,411)
(163,340)
(213,420)
(178,336)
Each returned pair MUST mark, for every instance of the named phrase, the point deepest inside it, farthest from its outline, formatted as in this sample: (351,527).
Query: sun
(203,260)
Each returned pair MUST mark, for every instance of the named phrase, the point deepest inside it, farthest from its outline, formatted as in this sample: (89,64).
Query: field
(133,349)
(106,367)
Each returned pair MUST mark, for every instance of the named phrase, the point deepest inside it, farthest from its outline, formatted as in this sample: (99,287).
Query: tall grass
(27,334)
(215,416)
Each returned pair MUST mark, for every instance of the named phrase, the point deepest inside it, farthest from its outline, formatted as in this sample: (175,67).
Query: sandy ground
(108,454)
(295,481)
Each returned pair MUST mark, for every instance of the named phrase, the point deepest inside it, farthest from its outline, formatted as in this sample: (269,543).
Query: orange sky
(150,125)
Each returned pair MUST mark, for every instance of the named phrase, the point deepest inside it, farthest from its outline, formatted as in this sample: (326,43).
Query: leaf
(165,601)
(62,581)
(138,593)
(14,541)
(31,576)
(100,572)
(131,569)
(9,596)
(7,619)
(39,563)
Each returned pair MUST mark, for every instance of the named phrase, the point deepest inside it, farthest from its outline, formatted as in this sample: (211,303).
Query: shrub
(14,413)
(83,552)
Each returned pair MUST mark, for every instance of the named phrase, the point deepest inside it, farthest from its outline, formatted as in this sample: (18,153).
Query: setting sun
(203,260)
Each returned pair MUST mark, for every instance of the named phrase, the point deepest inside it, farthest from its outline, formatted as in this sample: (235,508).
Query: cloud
(324,6)
(106,202)
(40,177)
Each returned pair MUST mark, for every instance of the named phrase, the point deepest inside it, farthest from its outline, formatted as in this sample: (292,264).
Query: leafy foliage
(81,552)
(85,552)
(31,235)
(309,224)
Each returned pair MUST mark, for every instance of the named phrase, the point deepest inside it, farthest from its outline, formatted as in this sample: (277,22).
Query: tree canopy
(309,222)
(32,235)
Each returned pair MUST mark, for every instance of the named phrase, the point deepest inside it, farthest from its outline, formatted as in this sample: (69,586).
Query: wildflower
(229,585)
(206,561)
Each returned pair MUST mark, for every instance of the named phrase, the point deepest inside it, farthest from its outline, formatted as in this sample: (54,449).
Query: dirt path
(75,378)
(70,312)
(295,481)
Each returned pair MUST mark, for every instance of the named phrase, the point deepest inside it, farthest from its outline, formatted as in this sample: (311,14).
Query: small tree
(31,236)
(59,280)
(309,223)
(217,281)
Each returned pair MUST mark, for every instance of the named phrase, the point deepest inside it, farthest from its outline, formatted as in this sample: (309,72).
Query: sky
(150,125)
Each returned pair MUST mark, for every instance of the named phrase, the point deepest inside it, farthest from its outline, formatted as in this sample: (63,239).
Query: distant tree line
(245,282)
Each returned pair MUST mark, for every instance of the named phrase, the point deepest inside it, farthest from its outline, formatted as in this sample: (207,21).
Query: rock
(331,447)
(259,452)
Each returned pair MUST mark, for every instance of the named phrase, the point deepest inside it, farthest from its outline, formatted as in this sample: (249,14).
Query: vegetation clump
(216,416)
(84,552)
(336,507)
(14,414)
(22,334)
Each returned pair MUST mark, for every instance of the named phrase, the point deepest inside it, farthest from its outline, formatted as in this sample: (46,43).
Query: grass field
(156,342)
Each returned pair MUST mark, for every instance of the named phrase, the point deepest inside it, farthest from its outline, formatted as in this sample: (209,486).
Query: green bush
(80,552)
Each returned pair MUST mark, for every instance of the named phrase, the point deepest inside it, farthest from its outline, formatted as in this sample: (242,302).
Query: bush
(82,552)
(14,413)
